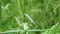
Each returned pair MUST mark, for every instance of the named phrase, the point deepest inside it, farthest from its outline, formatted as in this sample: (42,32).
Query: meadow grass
(39,14)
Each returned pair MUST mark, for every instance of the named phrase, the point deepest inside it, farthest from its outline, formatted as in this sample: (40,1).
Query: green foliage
(39,14)
(53,30)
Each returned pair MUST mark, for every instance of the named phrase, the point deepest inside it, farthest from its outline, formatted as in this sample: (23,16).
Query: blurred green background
(39,14)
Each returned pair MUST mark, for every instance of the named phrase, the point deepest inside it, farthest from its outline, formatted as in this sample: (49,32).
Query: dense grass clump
(38,14)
